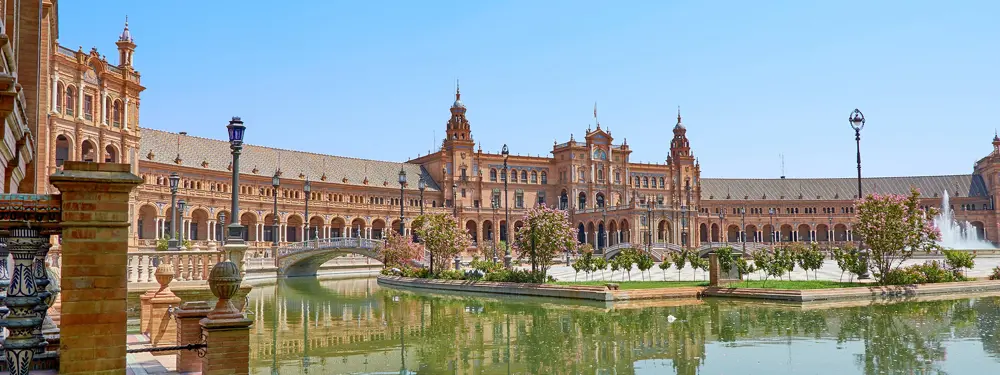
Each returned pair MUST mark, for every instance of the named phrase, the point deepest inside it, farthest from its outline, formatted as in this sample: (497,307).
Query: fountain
(957,235)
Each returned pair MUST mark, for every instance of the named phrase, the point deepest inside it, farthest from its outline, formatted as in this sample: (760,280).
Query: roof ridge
(831,178)
(280,149)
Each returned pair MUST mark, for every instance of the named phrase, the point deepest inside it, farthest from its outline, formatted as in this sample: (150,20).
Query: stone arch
(222,219)
(751,233)
(64,149)
(591,232)
(582,200)
(337,227)
(733,233)
(581,233)
(470,228)
(293,228)
(488,230)
(563,200)
(768,233)
(602,240)
(839,232)
(703,231)
(663,231)
(111,154)
(358,227)
(249,221)
(626,231)
(517,226)
(785,233)
(978,230)
(715,232)
(804,232)
(822,233)
(599,199)
(613,234)
(88,151)
(316,224)
(269,229)
(199,224)
(378,228)
(147,222)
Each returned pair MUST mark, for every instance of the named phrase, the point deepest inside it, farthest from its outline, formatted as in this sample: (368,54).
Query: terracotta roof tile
(213,154)
(838,188)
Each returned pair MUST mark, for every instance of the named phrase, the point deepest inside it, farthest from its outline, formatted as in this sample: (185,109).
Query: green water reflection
(356,327)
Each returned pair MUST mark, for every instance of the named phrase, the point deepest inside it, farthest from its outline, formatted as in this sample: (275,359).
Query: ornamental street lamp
(506,258)
(649,227)
(829,234)
(421,185)
(275,183)
(684,218)
(857,120)
(181,205)
(307,188)
(770,218)
(743,226)
(495,204)
(236,130)
(174,181)
(402,182)
(722,225)
(454,200)
(222,218)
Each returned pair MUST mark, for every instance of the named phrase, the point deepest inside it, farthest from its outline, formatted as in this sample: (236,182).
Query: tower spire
(678,114)
(458,90)
(595,116)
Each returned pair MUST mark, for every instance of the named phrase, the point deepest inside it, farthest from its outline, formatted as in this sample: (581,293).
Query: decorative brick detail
(228,346)
(95,224)
(188,317)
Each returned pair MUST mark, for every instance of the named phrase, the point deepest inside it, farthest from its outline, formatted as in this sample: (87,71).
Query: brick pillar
(226,331)
(714,273)
(189,332)
(163,329)
(95,224)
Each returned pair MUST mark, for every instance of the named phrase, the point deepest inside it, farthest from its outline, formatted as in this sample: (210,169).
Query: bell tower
(458,126)
(126,47)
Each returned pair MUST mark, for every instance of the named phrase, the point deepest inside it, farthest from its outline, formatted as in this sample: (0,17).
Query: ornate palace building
(92,111)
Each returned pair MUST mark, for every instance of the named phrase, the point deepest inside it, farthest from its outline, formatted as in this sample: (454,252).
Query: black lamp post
(421,185)
(402,182)
(506,206)
(275,183)
(857,121)
(649,226)
(454,200)
(236,130)
(743,226)
(722,225)
(684,225)
(829,234)
(307,188)
(770,220)
(222,218)
(174,181)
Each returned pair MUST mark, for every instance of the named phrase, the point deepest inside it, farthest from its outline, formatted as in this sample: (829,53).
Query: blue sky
(374,79)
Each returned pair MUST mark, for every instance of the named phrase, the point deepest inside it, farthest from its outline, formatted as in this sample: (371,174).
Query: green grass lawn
(625,285)
(795,284)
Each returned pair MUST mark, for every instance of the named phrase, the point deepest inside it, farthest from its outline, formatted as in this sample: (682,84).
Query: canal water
(306,326)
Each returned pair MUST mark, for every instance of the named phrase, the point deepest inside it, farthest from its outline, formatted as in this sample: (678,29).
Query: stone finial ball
(224,280)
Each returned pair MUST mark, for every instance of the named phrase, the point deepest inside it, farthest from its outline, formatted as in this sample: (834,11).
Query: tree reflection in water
(356,327)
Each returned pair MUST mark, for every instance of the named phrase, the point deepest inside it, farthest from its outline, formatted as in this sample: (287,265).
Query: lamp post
(235,230)
(174,181)
(495,204)
(649,226)
(182,231)
(222,218)
(770,220)
(684,224)
(275,183)
(421,185)
(402,182)
(857,120)
(743,226)
(829,234)
(722,225)
(454,200)
(506,206)
(307,188)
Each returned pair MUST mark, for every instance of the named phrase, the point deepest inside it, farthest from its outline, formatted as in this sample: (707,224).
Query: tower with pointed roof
(683,165)
(126,46)
(458,126)
(457,169)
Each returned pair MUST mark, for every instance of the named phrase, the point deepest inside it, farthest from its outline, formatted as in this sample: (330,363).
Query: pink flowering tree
(399,251)
(546,234)
(443,237)
(893,227)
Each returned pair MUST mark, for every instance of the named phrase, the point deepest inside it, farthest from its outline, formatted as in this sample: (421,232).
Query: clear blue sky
(374,79)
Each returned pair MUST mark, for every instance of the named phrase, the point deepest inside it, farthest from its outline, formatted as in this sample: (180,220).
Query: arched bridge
(305,258)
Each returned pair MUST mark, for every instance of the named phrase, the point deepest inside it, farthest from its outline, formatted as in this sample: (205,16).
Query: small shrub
(958,260)
(451,275)
(996,273)
(927,273)
(517,276)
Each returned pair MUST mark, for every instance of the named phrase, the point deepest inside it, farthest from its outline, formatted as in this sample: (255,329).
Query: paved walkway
(147,363)
(829,271)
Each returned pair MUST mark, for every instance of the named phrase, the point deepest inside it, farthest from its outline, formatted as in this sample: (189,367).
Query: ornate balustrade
(188,265)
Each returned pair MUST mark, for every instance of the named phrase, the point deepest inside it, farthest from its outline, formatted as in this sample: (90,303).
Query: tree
(664,266)
(644,261)
(627,258)
(442,236)
(958,259)
(679,258)
(697,263)
(893,227)
(726,259)
(398,251)
(616,264)
(600,264)
(810,259)
(547,234)
(745,267)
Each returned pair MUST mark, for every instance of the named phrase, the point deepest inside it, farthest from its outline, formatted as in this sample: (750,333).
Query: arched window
(513,176)
(524,176)
(600,175)
(117,113)
(545,178)
(534,177)
(60,93)
(645,182)
(637,181)
(493,175)
(70,100)
(662,185)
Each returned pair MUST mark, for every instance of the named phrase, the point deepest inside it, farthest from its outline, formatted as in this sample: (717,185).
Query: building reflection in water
(355,327)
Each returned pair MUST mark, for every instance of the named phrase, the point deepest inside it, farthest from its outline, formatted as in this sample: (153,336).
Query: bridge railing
(329,243)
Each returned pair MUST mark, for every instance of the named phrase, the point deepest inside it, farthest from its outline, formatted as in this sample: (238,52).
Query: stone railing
(188,265)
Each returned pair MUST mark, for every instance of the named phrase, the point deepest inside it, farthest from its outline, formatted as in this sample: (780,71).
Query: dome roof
(126,35)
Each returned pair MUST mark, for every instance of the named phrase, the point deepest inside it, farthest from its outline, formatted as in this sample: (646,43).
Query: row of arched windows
(534,176)
(68,97)
(646,181)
